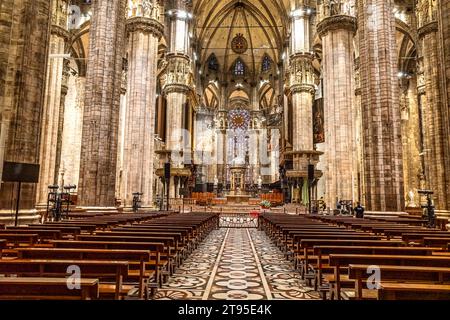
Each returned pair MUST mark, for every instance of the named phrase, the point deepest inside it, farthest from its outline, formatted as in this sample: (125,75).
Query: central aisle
(236,264)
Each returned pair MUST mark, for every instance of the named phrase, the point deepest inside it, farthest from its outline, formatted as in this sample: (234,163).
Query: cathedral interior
(135,109)
(316,99)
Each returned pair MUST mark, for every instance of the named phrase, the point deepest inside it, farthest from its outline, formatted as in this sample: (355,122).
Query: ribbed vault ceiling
(263,23)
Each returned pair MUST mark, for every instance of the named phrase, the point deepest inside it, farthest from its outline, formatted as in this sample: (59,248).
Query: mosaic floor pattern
(236,264)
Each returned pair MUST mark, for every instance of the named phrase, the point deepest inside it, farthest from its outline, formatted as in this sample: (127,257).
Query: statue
(259,182)
(410,201)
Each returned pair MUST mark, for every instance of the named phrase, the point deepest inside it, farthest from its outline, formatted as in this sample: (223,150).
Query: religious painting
(318,121)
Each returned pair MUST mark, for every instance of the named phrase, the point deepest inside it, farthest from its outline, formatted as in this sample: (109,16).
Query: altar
(238,198)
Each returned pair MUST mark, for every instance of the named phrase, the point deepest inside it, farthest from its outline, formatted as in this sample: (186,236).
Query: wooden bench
(418,237)
(65,230)
(141,257)
(169,244)
(342,261)
(409,274)
(300,252)
(3,243)
(17,239)
(157,263)
(30,288)
(44,234)
(103,270)
(433,241)
(409,291)
(322,253)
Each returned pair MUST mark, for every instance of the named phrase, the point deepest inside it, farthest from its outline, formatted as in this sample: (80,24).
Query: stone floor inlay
(236,264)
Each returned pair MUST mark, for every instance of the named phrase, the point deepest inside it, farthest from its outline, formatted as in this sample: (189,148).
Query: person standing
(359,210)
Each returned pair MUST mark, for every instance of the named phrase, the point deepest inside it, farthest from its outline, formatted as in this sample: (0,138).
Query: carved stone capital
(307,56)
(145,25)
(337,22)
(176,88)
(60,32)
(428,28)
(299,88)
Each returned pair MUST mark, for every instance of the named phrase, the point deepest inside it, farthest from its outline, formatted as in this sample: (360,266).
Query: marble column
(72,131)
(444,26)
(53,100)
(303,90)
(383,168)
(337,32)
(102,104)
(24,44)
(64,91)
(144,32)
(177,85)
(435,137)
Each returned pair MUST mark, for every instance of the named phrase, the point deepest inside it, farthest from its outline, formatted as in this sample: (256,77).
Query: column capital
(145,25)
(301,76)
(299,88)
(178,76)
(305,56)
(431,27)
(60,32)
(337,22)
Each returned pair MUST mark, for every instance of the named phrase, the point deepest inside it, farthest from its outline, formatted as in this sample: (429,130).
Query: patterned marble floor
(236,264)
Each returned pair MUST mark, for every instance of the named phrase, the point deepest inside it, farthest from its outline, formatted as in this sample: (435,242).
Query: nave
(170,255)
(236,264)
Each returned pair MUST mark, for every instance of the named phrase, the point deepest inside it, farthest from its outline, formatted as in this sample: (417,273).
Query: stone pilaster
(25,32)
(102,103)
(435,137)
(143,35)
(380,106)
(337,32)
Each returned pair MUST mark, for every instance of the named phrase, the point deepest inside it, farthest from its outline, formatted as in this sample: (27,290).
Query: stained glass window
(213,63)
(239,68)
(266,64)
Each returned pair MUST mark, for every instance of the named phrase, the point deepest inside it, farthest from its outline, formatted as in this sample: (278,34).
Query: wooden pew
(413,291)
(43,234)
(29,288)
(180,240)
(339,261)
(3,243)
(433,241)
(157,263)
(409,274)
(322,253)
(65,230)
(2,226)
(141,257)
(418,237)
(29,239)
(103,270)
(301,253)
(188,238)
(169,243)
